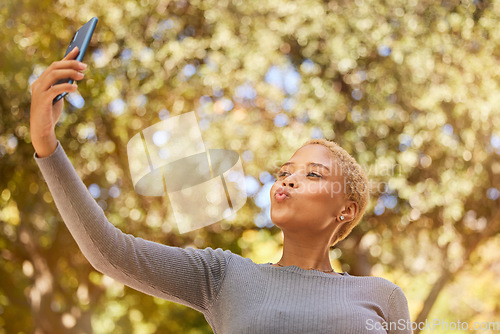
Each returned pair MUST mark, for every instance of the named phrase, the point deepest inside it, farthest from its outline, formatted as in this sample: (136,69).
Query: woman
(320,195)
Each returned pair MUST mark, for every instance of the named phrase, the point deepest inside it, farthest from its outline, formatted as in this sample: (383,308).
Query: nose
(289,181)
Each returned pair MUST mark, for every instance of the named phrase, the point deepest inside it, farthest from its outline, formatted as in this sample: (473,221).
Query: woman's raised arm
(188,276)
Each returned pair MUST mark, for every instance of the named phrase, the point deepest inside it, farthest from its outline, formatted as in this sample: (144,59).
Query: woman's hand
(44,115)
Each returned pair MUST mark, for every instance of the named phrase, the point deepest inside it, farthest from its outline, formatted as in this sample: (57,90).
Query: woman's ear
(350,211)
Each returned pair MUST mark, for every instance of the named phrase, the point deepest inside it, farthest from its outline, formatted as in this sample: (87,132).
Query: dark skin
(43,115)
(310,217)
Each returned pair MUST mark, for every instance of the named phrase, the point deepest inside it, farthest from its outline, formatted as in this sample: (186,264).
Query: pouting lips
(280,197)
(281,194)
(282,190)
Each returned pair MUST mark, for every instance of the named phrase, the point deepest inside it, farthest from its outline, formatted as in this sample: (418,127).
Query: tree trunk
(448,276)
(445,277)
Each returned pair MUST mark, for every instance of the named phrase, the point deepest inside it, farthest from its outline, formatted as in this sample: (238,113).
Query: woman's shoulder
(377,289)
(376,282)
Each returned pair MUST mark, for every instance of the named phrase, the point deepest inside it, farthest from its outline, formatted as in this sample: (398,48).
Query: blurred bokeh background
(410,88)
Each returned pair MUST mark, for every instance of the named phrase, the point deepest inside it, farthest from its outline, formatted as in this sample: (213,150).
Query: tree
(408,88)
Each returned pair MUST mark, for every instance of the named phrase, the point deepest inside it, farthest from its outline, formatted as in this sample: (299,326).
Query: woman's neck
(305,252)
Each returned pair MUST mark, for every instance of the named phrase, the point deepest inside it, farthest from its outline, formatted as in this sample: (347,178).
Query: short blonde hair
(356,182)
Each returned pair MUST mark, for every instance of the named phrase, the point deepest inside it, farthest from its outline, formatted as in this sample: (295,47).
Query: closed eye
(310,173)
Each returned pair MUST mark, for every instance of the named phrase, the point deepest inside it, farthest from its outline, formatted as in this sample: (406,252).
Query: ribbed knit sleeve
(192,277)
(399,315)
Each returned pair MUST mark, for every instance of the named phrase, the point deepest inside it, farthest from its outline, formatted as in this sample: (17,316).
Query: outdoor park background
(410,88)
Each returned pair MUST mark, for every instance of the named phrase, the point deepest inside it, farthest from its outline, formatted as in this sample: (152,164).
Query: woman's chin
(281,220)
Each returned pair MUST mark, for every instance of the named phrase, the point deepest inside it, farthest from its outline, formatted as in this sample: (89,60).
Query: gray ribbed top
(235,294)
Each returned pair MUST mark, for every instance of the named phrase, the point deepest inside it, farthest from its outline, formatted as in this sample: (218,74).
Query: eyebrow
(309,164)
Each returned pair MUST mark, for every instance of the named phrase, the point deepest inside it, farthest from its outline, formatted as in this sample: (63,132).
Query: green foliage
(410,88)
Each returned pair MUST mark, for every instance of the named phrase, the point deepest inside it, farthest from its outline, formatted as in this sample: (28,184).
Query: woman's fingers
(55,75)
(50,76)
(72,54)
(67,68)
(59,89)
(44,115)
(74,64)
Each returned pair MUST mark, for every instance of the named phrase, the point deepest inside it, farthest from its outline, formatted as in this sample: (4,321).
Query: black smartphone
(81,39)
